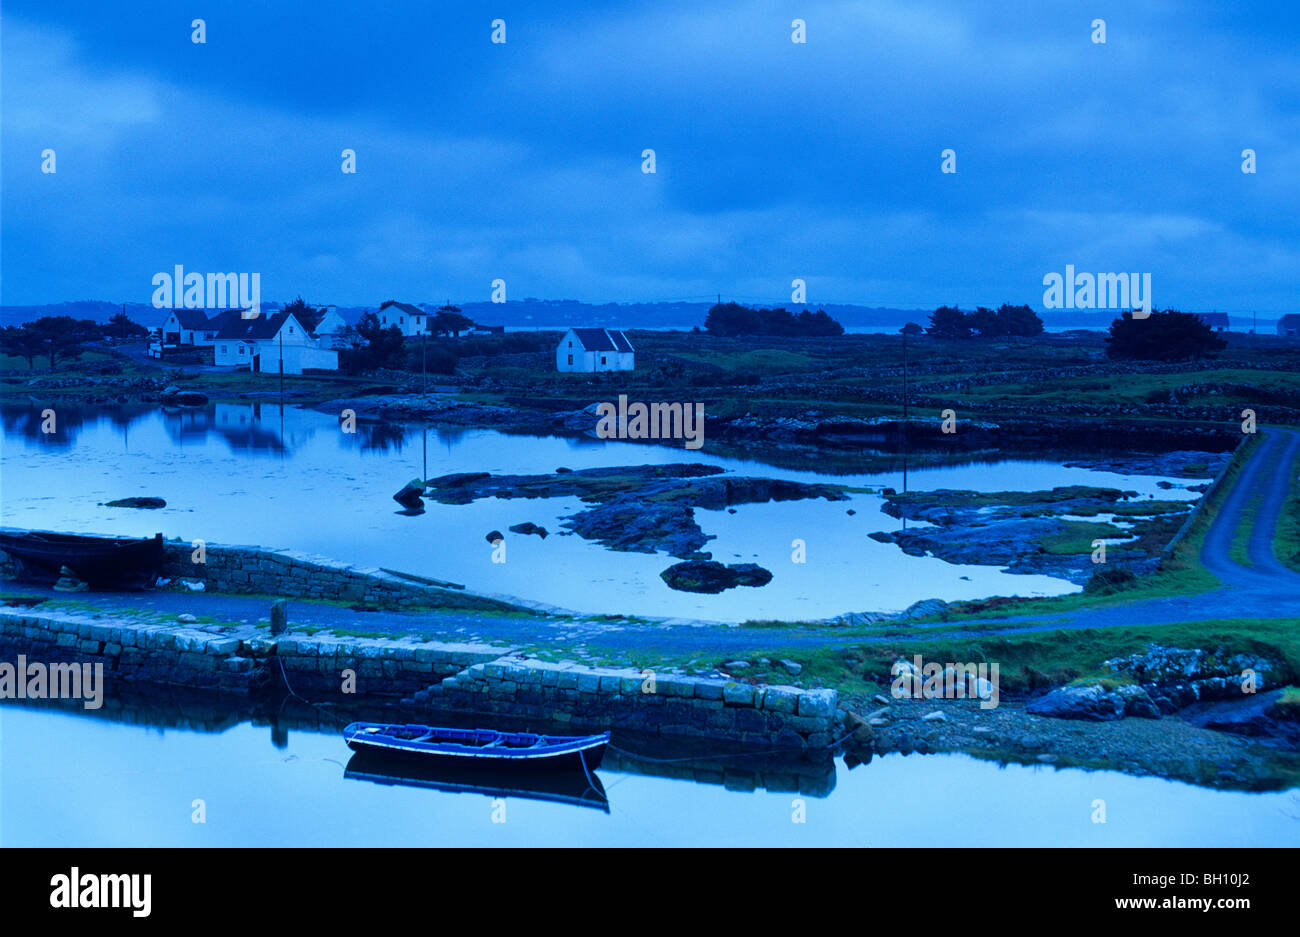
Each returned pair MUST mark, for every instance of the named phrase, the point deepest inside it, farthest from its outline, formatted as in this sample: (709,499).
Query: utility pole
(424,345)
(904,378)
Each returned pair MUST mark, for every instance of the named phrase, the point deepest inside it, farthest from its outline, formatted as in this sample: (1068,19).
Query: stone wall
(302,575)
(291,574)
(668,705)
(428,676)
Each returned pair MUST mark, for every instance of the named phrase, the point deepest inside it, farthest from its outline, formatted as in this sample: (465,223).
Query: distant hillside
(563,313)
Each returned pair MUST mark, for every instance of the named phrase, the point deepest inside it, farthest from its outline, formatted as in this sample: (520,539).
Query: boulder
(147,503)
(1079,702)
(493,536)
(69,582)
(925,608)
(712,577)
(173,394)
(409,495)
(1137,702)
(528,527)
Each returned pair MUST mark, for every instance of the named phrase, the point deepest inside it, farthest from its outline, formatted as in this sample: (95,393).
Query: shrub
(1109,579)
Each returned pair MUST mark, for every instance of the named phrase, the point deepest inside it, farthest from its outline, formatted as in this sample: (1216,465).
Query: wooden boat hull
(99,561)
(514,750)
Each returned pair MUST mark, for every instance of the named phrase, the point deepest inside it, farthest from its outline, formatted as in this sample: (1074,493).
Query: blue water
(72,780)
(236,473)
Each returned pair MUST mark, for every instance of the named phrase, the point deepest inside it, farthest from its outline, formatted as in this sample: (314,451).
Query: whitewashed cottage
(590,350)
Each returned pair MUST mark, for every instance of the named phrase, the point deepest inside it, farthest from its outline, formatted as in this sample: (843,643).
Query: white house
(185,327)
(331,323)
(264,342)
(588,350)
(411,320)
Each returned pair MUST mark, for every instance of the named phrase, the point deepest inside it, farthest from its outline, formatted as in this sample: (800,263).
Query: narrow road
(1263,589)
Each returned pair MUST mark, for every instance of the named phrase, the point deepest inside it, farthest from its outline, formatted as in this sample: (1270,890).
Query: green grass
(1238,549)
(1038,659)
(1286,538)
(1077,538)
(1289,701)
(1180,573)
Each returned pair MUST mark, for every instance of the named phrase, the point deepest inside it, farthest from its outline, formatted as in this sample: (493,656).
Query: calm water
(249,474)
(73,780)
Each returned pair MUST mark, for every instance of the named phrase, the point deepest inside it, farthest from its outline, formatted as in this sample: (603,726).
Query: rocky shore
(643,509)
(1049,533)
(1171,712)
(828,430)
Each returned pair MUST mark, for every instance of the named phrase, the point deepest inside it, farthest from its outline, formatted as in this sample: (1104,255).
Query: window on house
(241,349)
(602,359)
(570,344)
(401,320)
(570,358)
(223,349)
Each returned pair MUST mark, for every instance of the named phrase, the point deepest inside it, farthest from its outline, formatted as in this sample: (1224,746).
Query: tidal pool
(260,474)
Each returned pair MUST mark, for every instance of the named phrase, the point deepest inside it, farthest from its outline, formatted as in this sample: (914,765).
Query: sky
(774,160)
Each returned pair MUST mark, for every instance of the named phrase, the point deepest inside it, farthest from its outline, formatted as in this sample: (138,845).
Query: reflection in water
(700,762)
(127,776)
(289,477)
(247,428)
(558,785)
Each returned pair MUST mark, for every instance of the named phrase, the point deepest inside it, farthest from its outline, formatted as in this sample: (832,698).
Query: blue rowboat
(484,746)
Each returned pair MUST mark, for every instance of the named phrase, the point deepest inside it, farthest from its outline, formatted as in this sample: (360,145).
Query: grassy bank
(1180,572)
(1286,538)
(1026,661)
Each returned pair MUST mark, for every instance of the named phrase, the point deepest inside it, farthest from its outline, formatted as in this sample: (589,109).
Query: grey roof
(191,318)
(603,340)
(405,307)
(1213,318)
(594,339)
(1291,318)
(256,329)
(218,322)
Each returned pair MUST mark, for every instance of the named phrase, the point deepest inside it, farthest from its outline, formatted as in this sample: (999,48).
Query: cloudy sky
(775,160)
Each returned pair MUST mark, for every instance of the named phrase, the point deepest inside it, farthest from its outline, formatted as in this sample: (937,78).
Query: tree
(911,329)
(348,337)
(120,325)
(1019,320)
(449,321)
(21,342)
(735,319)
(309,316)
(1162,336)
(818,323)
(384,346)
(984,321)
(62,336)
(948,322)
